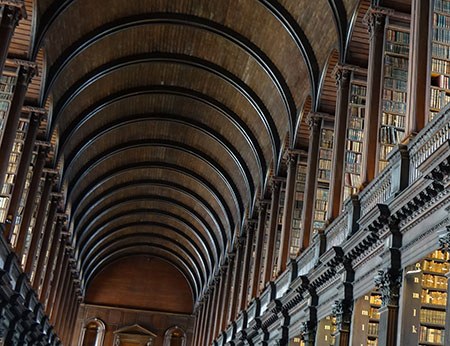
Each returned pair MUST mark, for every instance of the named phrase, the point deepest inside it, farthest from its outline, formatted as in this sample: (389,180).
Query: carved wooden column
(205,318)
(219,307)
(388,282)
(26,73)
(197,314)
(45,275)
(40,223)
(31,200)
(444,241)
(237,278)
(315,123)
(52,272)
(247,259)
(9,20)
(57,277)
(340,128)
(418,104)
(212,311)
(376,23)
(286,229)
(272,231)
(224,317)
(48,232)
(262,213)
(22,172)
(62,306)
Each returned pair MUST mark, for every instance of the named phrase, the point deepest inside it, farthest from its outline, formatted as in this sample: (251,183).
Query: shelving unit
(374,318)
(7,85)
(13,164)
(323,177)
(355,135)
(440,58)
(279,227)
(300,180)
(395,85)
(433,298)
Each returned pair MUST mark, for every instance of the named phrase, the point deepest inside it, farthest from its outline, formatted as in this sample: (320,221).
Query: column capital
(342,310)
(19,5)
(314,119)
(342,75)
(375,20)
(389,283)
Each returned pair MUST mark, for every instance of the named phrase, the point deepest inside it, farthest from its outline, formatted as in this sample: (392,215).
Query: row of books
(438,98)
(434,281)
(359,90)
(385,149)
(440,51)
(374,313)
(398,84)
(325,154)
(441,35)
(354,168)
(441,21)
(441,255)
(442,82)
(397,36)
(440,66)
(357,112)
(372,328)
(357,100)
(356,123)
(354,146)
(393,119)
(432,335)
(352,179)
(390,135)
(433,266)
(326,140)
(432,316)
(393,95)
(355,134)
(396,48)
(434,297)
(396,61)
(325,164)
(324,174)
(351,157)
(442,6)
(395,72)
(396,107)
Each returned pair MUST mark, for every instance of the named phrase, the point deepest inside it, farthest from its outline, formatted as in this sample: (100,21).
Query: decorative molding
(389,283)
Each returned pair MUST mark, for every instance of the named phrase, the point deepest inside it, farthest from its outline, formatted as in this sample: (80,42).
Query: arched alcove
(175,336)
(92,333)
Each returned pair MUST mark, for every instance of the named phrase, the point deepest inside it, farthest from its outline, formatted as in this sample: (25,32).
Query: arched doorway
(175,336)
(93,333)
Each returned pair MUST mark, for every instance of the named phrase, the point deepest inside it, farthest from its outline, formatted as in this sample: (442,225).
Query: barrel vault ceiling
(168,116)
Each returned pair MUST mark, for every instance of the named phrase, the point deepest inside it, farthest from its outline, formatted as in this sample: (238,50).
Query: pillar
(246,266)
(340,136)
(31,200)
(237,279)
(219,307)
(272,231)
(39,226)
(285,239)
(315,123)
(224,317)
(376,24)
(205,318)
(48,232)
(418,85)
(26,73)
(9,20)
(260,232)
(212,313)
(52,257)
(57,277)
(22,173)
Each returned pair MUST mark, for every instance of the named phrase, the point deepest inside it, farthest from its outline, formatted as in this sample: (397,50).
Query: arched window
(175,336)
(93,333)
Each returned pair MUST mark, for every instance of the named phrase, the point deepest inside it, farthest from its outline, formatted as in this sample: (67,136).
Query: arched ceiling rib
(167,116)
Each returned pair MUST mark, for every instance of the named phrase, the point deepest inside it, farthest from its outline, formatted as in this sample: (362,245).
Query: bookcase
(374,318)
(7,85)
(278,228)
(355,134)
(395,85)
(13,164)
(296,230)
(440,58)
(326,329)
(433,298)
(366,319)
(323,176)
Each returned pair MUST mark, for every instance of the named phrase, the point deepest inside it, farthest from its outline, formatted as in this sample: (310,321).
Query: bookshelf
(296,231)
(7,85)
(395,84)
(355,135)
(326,329)
(278,228)
(374,318)
(13,165)
(440,58)
(323,177)
(433,298)
(366,319)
